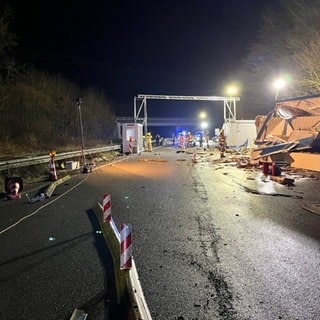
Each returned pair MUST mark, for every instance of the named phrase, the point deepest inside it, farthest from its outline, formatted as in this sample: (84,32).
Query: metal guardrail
(17,163)
(127,281)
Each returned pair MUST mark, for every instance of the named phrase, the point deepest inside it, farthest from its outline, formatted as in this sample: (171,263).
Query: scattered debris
(282,180)
(314,208)
(38,197)
(46,191)
(291,131)
(153,160)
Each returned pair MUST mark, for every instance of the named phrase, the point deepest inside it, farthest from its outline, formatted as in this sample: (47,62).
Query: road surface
(211,241)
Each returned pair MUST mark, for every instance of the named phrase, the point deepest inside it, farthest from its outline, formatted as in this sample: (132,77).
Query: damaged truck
(290,133)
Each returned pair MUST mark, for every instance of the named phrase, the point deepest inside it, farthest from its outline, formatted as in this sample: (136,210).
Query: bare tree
(38,110)
(306,45)
(8,42)
(288,46)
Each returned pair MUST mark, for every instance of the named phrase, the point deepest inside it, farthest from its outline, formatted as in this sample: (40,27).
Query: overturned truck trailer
(290,133)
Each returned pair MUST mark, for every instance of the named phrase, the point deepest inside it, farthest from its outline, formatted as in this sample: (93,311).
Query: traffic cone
(53,172)
(13,187)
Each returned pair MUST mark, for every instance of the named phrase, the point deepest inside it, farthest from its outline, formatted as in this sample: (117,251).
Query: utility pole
(84,169)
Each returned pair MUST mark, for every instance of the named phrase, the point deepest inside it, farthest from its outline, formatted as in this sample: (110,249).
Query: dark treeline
(39,111)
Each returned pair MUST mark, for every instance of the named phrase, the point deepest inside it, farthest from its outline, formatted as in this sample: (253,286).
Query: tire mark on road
(209,240)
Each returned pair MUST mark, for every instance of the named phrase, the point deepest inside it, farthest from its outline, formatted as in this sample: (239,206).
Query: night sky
(126,48)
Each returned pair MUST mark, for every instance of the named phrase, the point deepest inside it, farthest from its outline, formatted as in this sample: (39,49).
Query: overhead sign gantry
(141,113)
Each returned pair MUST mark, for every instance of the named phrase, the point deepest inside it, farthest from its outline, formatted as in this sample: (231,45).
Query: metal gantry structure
(141,112)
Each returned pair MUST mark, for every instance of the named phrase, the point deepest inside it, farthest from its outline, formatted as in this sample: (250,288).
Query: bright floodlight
(231,91)
(202,115)
(204,125)
(278,84)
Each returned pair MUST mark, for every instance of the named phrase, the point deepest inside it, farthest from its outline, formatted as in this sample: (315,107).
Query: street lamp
(204,125)
(202,115)
(278,84)
(232,91)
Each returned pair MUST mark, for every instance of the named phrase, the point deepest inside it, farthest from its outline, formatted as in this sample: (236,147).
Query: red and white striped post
(106,207)
(53,172)
(130,145)
(125,247)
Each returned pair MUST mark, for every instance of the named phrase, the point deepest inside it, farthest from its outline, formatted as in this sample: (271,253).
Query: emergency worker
(157,140)
(201,140)
(149,142)
(173,139)
(207,140)
(222,143)
(181,142)
(189,140)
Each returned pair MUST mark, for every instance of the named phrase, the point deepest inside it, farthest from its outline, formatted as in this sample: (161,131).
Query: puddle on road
(264,185)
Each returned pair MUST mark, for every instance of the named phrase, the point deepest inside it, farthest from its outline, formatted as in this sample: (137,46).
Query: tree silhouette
(287,46)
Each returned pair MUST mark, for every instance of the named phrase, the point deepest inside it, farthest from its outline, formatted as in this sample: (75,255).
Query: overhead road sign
(189,98)
(229,105)
(157,121)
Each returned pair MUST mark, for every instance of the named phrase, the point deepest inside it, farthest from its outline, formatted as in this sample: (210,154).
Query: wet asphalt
(210,241)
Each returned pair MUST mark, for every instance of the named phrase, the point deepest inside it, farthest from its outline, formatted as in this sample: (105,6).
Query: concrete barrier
(127,281)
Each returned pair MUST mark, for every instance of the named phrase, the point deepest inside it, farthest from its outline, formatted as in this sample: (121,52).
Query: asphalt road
(211,241)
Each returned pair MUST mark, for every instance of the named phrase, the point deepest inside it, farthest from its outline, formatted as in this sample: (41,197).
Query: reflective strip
(126,247)
(106,207)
